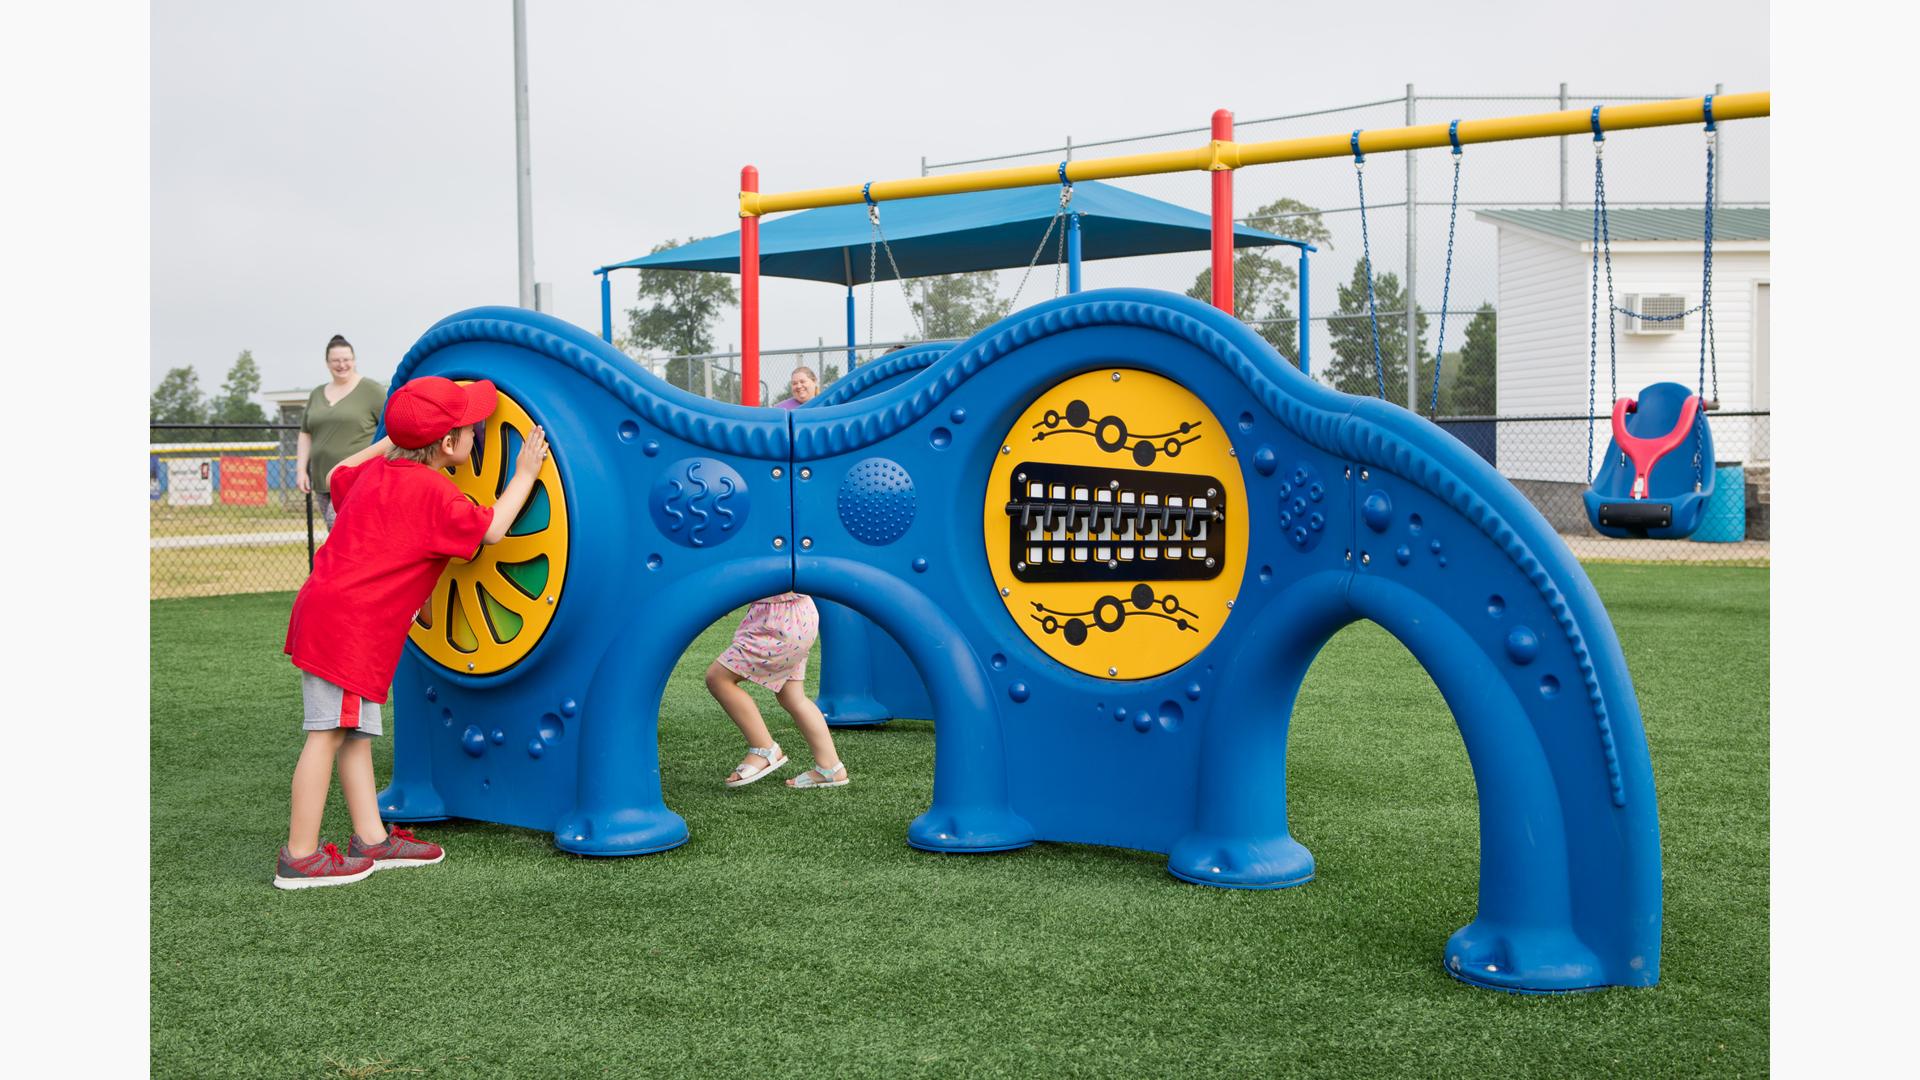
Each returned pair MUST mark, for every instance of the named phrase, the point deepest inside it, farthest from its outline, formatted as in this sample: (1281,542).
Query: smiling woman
(340,420)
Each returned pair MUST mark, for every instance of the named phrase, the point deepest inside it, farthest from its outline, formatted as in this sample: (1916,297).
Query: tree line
(179,400)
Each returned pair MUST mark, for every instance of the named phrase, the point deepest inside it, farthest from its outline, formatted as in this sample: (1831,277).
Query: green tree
(1265,282)
(1352,369)
(235,404)
(178,400)
(1472,393)
(676,314)
(956,305)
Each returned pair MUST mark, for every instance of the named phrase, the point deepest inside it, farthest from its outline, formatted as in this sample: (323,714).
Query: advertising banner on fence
(190,482)
(243,481)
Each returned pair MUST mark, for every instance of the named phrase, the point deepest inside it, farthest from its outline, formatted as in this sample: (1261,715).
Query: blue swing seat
(1676,492)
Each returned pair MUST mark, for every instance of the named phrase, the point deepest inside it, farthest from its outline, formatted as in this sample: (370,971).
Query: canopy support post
(749,295)
(1306,322)
(606,308)
(1223,218)
(1073,252)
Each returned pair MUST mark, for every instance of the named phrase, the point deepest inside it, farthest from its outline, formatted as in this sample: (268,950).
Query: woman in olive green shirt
(340,421)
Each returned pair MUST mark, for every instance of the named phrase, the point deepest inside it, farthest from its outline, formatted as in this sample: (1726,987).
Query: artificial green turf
(798,933)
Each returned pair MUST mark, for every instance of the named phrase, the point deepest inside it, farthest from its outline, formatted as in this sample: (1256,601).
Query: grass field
(797,933)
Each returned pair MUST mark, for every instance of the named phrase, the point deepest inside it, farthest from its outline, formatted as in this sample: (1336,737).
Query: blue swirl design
(720,510)
(679,519)
(693,503)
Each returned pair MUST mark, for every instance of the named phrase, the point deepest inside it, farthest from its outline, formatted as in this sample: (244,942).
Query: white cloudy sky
(348,167)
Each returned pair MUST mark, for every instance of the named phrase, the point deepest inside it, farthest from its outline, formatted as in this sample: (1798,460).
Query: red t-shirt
(398,523)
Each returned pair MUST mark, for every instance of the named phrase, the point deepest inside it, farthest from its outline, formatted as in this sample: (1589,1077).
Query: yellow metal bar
(1219,155)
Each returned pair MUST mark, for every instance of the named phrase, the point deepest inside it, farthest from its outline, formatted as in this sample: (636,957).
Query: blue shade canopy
(953,234)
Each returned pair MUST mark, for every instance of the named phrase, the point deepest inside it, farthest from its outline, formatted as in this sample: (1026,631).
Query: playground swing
(878,243)
(1640,491)
(1446,280)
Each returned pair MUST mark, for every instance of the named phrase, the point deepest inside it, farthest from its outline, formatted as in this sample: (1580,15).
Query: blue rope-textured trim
(1598,135)
(874,372)
(697,422)
(1453,135)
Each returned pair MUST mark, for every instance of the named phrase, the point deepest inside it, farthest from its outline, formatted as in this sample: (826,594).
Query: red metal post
(750,296)
(1223,219)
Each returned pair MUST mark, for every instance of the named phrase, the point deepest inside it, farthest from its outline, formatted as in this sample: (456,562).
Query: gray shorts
(324,702)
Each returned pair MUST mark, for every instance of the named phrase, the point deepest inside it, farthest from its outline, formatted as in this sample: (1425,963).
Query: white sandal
(775,759)
(806,780)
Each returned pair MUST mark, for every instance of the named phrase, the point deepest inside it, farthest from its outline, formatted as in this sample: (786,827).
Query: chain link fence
(225,511)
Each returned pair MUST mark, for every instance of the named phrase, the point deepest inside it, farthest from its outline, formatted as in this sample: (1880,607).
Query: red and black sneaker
(324,867)
(400,848)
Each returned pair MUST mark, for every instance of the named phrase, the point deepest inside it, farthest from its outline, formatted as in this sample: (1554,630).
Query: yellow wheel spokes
(487,614)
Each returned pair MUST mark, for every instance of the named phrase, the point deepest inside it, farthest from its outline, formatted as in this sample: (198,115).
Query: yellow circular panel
(1116,524)
(485,615)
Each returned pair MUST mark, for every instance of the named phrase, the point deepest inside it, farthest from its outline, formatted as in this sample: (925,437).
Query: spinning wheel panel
(488,614)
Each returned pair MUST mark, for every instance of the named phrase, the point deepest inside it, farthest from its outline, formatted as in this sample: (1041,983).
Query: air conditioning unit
(1653,314)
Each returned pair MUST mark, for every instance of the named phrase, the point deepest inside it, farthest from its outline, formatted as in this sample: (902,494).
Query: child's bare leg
(356,783)
(310,780)
(812,724)
(724,685)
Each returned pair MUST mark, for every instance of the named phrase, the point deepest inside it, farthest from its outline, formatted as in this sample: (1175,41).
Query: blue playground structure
(1113,530)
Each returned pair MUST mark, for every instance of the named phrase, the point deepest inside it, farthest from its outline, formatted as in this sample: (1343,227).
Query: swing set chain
(1066,196)
(873,271)
(1602,243)
(873,284)
(1446,280)
(1366,249)
(1707,346)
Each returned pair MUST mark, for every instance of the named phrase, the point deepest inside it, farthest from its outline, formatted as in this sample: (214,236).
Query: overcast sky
(348,167)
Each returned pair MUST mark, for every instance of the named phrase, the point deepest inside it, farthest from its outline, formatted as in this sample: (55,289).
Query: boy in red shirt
(400,519)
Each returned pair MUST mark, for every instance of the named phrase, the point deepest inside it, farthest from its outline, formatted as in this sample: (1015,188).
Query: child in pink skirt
(771,648)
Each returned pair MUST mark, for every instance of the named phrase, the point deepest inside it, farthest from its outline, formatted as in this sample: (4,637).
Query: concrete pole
(523,170)
(1719,154)
(1413,248)
(1563,151)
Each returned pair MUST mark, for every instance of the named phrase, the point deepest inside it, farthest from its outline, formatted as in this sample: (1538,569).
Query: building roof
(1642,223)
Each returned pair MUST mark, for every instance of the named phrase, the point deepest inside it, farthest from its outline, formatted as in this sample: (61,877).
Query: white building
(1545,301)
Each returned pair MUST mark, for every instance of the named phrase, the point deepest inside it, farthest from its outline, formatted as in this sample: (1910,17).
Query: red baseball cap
(423,411)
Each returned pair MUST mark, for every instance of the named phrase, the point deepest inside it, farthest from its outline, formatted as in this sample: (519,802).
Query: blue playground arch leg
(846,669)
(620,810)
(971,810)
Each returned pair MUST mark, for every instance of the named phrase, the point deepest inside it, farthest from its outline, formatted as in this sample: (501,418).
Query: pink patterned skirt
(772,643)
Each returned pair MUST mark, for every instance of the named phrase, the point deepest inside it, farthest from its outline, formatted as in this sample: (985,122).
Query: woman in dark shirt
(341,417)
